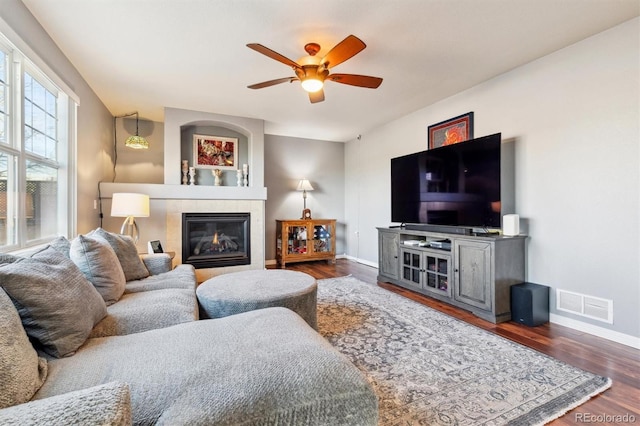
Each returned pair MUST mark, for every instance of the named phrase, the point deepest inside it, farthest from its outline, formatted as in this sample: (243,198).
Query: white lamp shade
(304,185)
(125,204)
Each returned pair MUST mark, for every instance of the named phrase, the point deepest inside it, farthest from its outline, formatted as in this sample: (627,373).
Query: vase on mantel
(217,173)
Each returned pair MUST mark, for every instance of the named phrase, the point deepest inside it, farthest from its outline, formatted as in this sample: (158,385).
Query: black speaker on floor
(530,304)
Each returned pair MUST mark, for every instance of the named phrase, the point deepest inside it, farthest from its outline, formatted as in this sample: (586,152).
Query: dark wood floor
(600,356)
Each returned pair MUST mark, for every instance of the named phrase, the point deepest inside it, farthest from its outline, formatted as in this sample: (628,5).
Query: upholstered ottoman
(244,291)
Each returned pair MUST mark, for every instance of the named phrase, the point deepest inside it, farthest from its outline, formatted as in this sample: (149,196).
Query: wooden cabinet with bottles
(304,240)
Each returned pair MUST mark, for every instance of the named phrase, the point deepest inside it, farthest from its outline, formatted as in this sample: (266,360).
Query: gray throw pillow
(21,371)
(127,253)
(7,258)
(98,262)
(62,245)
(57,305)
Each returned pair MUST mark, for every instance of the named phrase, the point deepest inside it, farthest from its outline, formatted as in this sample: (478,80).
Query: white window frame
(21,59)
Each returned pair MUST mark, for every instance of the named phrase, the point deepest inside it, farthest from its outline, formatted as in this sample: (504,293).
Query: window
(36,117)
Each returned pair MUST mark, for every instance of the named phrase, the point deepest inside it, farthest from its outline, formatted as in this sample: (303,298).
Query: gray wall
(573,115)
(140,165)
(286,161)
(574,118)
(95,134)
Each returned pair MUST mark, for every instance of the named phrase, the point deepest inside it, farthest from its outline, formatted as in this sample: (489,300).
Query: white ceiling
(145,55)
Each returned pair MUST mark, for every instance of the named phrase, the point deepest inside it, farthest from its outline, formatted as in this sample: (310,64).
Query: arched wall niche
(179,121)
(215,123)
(204,176)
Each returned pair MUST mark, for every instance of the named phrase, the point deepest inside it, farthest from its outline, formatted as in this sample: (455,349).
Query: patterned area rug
(428,368)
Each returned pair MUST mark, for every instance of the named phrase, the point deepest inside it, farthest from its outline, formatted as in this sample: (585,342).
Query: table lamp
(130,206)
(304,185)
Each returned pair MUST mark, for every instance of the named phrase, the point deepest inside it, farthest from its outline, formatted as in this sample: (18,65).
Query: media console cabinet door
(388,247)
(412,262)
(473,273)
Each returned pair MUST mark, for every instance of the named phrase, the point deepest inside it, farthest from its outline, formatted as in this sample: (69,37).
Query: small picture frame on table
(155,247)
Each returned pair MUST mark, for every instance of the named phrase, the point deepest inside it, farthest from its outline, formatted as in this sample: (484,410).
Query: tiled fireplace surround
(175,208)
(171,199)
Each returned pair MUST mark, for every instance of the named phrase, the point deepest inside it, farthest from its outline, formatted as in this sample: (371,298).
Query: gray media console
(474,273)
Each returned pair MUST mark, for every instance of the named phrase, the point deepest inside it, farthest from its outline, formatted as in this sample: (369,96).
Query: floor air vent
(586,306)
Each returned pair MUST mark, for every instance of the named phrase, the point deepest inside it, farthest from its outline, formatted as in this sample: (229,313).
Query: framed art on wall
(453,130)
(215,152)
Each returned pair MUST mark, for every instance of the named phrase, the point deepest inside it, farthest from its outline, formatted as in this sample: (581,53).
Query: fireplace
(212,240)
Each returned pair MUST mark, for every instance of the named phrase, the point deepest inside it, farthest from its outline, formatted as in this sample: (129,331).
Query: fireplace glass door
(211,240)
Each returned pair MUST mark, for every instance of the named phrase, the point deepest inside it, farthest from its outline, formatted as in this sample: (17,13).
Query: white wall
(574,116)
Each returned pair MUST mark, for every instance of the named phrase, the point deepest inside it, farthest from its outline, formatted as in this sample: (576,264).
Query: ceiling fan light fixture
(312,71)
(312,85)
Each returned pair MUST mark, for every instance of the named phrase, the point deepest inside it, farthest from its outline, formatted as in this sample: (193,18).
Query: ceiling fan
(313,71)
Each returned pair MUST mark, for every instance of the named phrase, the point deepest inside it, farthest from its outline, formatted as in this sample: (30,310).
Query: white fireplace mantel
(185,192)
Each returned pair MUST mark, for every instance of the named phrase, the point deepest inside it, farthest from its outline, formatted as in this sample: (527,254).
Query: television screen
(454,185)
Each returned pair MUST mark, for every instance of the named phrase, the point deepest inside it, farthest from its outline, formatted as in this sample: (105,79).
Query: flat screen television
(457,185)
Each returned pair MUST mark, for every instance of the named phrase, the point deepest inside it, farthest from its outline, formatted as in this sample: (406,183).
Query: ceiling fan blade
(272,54)
(356,80)
(316,96)
(342,51)
(272,82)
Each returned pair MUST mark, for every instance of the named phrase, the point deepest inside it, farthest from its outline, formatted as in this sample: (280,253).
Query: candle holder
(192,175)
(239,177)
(185,171)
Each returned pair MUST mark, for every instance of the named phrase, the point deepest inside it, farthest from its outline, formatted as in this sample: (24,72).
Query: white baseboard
(614,336)
(364,262)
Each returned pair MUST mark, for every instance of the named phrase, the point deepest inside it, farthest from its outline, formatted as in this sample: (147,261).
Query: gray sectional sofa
(92,333)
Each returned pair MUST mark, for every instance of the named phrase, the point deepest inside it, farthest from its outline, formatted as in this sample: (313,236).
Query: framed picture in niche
(453,130)
(215,152)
